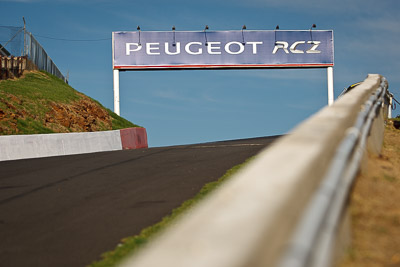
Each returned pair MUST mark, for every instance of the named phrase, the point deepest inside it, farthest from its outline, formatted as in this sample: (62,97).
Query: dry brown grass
(375,208)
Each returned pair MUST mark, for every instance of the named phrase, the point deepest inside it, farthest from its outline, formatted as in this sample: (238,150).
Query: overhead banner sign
(222,49)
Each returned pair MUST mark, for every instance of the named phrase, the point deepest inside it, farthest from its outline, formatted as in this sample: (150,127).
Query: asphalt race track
(66,211)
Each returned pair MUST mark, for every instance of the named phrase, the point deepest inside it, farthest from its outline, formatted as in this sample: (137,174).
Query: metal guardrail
(313,241)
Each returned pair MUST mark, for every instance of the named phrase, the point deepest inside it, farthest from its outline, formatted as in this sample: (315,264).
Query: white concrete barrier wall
(47,145)
(14,147)
(249,220)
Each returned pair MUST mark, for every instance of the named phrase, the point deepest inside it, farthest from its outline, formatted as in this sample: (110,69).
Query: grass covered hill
(39,103)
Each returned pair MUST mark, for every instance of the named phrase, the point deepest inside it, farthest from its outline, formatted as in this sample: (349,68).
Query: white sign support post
(116,91)
(331,97)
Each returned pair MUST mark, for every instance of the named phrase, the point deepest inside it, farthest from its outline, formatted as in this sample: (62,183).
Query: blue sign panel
(222,49)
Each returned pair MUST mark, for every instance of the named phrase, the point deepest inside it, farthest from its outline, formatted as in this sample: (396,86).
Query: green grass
(390,178)
(130,245)
(27,100)
(119,122)
(30,126)
(40,87)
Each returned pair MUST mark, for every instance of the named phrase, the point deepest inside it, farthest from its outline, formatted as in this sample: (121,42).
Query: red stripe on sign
(223,66)
(133,138)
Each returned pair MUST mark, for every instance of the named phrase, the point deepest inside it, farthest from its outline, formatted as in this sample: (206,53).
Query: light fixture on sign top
(243,28)
(173,30)
(312,26)
(138,28)
(205,33)
(276,28)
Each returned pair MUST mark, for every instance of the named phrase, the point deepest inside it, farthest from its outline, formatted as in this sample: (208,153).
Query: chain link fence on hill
(11,41)
(16,41)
